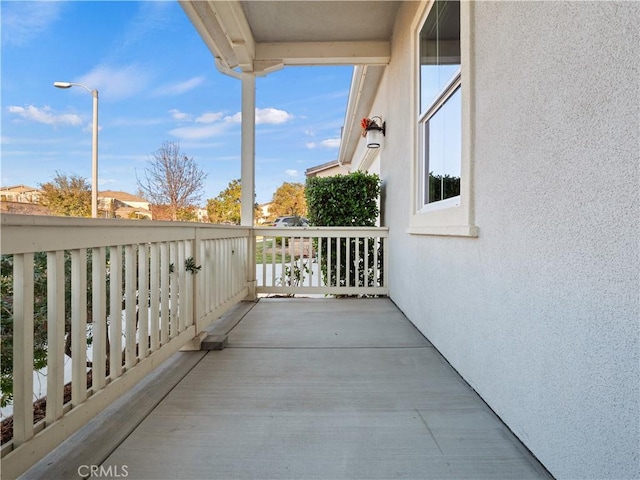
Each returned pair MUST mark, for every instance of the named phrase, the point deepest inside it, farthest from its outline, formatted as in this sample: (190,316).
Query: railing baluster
(206,276)
(55,335)
(115,327)
(329,282)
(22,348)
(174,287)
(376,244)
(78,326)
(274,253)
(182,286)
(339,260)
(99,320)
(143,301)
(154,296)
(165,292)
(130,307)
(191,278)
(366,261)
(349,263)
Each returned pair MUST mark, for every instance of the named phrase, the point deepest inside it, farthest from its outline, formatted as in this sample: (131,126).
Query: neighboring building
(20,194)
(123,205)
(265,215)
(510,189)
(327,170)
(202,214)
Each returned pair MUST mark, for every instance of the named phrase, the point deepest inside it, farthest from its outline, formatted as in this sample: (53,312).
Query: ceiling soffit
(261,36)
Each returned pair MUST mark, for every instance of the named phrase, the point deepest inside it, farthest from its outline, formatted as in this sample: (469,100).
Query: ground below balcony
(322,389)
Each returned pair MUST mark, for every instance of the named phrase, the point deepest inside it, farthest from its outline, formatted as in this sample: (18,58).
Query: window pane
(443,155)
(439,50)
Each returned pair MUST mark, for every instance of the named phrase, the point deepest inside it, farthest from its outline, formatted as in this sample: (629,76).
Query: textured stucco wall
(540,314)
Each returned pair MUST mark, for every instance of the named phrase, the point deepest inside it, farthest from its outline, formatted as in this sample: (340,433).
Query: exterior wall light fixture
(373,129)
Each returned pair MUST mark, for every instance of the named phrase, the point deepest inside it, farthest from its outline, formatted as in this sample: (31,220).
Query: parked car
(292,221)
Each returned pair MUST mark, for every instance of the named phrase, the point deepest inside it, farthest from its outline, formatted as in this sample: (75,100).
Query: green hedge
(343,200)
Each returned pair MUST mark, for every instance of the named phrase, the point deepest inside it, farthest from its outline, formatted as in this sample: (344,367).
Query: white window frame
(453,216)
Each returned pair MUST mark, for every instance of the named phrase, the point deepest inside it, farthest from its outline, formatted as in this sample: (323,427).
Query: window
(442,170)
(440,107)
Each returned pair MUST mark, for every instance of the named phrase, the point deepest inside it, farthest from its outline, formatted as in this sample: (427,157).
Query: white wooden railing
(155,287)
(321,260)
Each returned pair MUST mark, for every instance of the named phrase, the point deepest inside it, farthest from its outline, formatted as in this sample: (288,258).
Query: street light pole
(94,149)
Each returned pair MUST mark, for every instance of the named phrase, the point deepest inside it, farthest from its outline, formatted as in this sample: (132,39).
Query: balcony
(306,388)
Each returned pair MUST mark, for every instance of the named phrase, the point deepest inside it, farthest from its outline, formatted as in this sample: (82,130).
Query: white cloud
(331,143)
(271,116)
(44,115)
(179,87)
(291,173)
(264,116)
(116,83)
(328,143)
(180,116)
(24,21)
(196,133)
(209,117)
(236,118)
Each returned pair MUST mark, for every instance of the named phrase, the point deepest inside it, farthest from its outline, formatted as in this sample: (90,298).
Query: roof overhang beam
(325,53)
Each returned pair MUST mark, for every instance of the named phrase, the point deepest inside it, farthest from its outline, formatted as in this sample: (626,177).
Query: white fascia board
(364,86)
(326,53)
(204,18)
(238,31)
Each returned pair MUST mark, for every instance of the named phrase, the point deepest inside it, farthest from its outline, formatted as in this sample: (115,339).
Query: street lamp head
(62,84)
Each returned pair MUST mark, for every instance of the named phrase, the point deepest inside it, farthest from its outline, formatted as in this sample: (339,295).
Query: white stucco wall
(540,313)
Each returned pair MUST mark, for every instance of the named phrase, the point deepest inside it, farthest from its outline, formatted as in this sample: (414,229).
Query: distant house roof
(122,196)
(18,189)
(323,168)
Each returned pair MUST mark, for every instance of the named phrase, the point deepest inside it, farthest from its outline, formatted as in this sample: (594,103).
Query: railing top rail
(31,233)
(8,219)
(318,231)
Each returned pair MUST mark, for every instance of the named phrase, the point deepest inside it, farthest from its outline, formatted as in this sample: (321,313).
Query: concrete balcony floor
(314,388)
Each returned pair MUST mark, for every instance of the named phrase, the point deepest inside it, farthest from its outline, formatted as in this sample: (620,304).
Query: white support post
(248,172)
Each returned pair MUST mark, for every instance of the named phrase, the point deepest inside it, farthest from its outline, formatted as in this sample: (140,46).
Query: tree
(289,199)
(68,196)
(172,179)
(225,208)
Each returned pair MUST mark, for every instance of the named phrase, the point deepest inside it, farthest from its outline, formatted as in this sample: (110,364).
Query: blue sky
(157,82)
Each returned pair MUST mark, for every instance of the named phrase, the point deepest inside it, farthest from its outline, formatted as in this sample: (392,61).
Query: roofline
(365,82)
